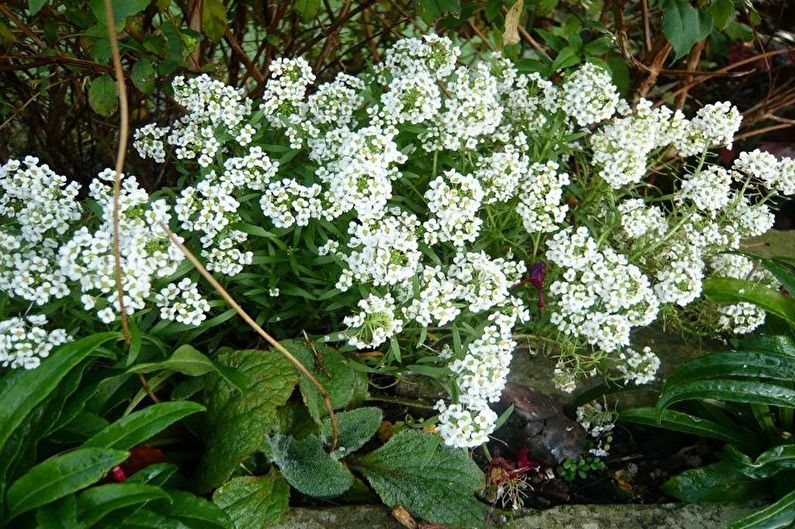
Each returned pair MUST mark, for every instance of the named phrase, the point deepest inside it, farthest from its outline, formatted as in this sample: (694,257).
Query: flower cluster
(740,318)
(182,302)
(25,341)
(638,367)
(600,296)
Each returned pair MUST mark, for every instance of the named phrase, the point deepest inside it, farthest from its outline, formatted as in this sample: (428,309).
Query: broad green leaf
(34,6)
(779,344)
(144,75)
(748,392)
(716,483)
(195,512)
(775,515)
(683,422)
(188,361)
(330,368)
(22,391)
(307,467)
(722,12)
(308,9)
(214,19)
(744,364)
(135,428)
(97,502)
(356,427)
(121,9)
(768,464)
(60,475)
(254,502)
(237,422)
(725,290)
(684,25)
(432,10)
(103,96)
(415,470)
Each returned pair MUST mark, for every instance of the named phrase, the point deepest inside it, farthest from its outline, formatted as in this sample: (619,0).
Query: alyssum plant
(428,210)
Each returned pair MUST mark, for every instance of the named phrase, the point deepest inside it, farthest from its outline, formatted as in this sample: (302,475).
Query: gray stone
(669,516)
(348,517)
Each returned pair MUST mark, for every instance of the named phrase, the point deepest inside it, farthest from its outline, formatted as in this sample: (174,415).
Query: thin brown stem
(121,153)
(763,130)
(259,330)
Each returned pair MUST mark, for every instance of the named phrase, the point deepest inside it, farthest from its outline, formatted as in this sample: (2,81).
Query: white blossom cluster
(765,169)
(454,200)
(639,219)
(600,296)
(25,341)
(37,209)
(713,126)
(213,110)
(182,302)
(540,198)
(375,323)
(589,95)
(596,419)
(638,367)
(147,254)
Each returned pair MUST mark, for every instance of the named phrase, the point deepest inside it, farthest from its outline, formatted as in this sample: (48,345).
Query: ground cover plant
(420,218)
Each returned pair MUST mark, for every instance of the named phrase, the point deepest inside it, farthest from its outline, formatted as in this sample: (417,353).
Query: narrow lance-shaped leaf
(22,391)
(137,427)
(59,476)
(744,391)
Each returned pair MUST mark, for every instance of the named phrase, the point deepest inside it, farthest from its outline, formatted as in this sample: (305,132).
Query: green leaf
(683,422)
(236,422)
(308,9)
(748,392)
(599,46)
(121,9)
(330,368)
(716,483)
(768,464)
(34,6)
(135,428)
(103,96)
(159,474)
(725,290)
(722,13)
(23,390)
(196,513)
(254,502)
(60,475)
(683,25)
(431,481)
(771,343)
(356,427)
(567,57)
(775,515)
(144,75)
(744,364)
(307,467)
(188,361)
(432,10)
(214,19)
(97,502)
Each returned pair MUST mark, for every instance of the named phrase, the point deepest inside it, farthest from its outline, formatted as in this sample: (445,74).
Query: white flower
(588,95)
(182,302)
(638,219)
(709,189)
(375,323)
(24,342)
(714,126)
(638,368)
(540,198)
(454,201)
